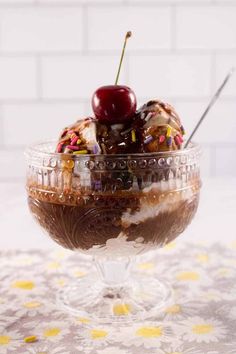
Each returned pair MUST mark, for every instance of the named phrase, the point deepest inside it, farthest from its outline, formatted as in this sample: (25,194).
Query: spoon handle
(210,105)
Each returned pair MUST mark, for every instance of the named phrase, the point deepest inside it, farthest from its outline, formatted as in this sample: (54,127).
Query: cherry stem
(128,35)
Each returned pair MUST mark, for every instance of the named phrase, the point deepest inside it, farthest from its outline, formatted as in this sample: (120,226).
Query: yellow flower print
(4,340)
(200,330)
(202,258)
(188,276)
(173,309)
(146,266)
(98,334)
(52,331)
(53,266)
(83,320)
(121,309)
(32,304)
(183,309)
(149,332)
(23,284)
(170,246)
(9,341)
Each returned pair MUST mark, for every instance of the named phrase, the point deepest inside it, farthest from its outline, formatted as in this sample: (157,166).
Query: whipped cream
(150,210)
(120,247)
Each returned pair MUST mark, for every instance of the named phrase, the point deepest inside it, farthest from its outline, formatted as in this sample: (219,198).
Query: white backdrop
(55,53)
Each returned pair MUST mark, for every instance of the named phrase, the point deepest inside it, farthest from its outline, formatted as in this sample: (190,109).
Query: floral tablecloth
(201,320)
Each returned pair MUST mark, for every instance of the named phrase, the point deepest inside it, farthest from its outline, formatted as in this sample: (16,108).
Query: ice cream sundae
(115,184)
(121,180)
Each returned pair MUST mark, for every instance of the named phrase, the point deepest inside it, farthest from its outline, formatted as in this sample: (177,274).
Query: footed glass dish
(113,207)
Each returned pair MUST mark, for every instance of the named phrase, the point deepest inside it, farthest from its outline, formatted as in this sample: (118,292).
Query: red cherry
(114,103)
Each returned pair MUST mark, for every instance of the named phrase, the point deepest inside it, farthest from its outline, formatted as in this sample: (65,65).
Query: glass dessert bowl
(113,207)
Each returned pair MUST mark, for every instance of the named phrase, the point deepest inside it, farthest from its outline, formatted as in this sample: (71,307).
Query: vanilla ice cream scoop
(79,138)
(161,127)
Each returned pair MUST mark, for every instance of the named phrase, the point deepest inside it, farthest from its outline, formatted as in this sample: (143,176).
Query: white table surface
(215,220)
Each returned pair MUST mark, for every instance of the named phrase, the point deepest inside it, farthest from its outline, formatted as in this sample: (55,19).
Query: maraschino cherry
(114,103)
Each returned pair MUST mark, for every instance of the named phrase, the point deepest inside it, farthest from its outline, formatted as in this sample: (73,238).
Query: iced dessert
(117,182)
(161,127)
(154,127)
(108,195)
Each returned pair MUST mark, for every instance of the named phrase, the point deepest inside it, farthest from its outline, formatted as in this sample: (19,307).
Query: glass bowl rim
(34,150)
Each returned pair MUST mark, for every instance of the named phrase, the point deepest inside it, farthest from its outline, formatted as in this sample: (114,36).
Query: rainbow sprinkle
(133,136)
(80,152)
(148,139)
(74,148)
(95,149)
(169,141)
(161,139)
(78,141)
(59,147)
(182,130)
(177,140)
(148,116)
(74,140)
(97,184)
(168,132)
(180,138)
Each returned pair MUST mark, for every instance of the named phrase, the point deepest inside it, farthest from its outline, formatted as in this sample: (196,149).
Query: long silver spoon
(210,105)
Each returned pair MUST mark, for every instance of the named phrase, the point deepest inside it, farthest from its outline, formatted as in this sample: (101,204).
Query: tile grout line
(124,3)
(107,52)
(61,100)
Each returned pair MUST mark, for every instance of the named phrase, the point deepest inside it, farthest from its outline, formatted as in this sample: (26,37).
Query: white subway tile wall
(55,53)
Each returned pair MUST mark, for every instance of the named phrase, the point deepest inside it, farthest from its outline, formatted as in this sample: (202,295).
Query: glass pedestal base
(140,297)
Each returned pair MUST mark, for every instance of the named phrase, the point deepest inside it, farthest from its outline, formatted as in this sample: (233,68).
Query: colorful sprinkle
(168,132)
(30,339)
(78,141)
(97,184)
(148,139)
(148,116)
(80,152)
(133,136)
(95,149)
(71,132)
(182,130)
(180,138)
(59,147)
(177,140)
(74,140)
(74,148)
(169,141)
(161,139)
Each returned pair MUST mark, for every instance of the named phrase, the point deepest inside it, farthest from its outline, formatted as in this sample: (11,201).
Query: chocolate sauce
(97,219)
